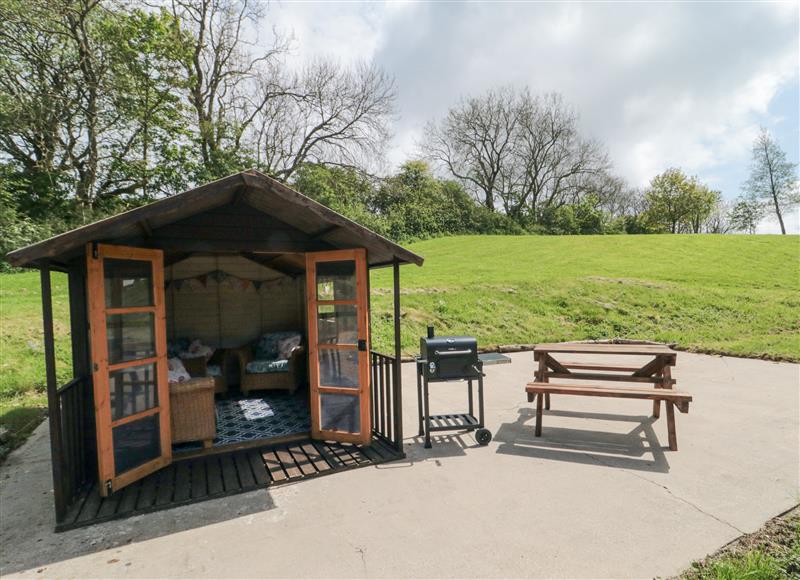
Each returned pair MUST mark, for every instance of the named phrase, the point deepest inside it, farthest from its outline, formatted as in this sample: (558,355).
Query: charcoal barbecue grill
(450,358)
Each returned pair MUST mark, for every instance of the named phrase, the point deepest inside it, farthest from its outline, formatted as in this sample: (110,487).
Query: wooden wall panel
(227,315)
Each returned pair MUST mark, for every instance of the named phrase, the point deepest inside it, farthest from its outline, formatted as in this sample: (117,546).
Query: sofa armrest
(244,355)
(297,364)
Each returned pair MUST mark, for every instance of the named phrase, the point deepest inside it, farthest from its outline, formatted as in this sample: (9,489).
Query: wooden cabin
(223,328)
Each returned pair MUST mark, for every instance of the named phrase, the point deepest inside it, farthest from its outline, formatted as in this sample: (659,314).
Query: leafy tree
(745,214)
(86,92)
(679,204)
(343,189)
(773,179)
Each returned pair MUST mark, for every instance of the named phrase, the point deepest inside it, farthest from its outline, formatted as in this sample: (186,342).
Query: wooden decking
(202,478)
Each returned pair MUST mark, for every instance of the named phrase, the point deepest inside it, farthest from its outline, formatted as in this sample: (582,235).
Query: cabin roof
(297,224)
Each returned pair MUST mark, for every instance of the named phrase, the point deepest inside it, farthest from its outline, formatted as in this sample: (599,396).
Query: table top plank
(604,348)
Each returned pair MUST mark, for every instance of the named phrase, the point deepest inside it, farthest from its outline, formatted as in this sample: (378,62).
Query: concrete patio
(598,495)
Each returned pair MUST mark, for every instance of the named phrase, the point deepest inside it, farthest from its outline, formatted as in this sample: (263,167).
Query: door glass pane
(132,390)
(130,336)
(136,443)
(337,324)
(336,280)
(128,283)
(340,413)
(338,368)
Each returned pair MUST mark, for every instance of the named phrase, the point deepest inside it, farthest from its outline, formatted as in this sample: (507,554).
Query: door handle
(362,344)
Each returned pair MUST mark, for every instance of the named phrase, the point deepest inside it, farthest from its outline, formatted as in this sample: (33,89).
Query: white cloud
(661,84)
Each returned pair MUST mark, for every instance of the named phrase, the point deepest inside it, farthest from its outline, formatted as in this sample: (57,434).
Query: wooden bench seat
(670,397)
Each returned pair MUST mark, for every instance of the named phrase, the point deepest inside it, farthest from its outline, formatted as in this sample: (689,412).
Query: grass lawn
(771,552)
(736,295)
(22,377)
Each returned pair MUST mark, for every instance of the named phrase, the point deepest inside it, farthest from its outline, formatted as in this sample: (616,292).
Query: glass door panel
(338,345)
(338,368)
(128,335)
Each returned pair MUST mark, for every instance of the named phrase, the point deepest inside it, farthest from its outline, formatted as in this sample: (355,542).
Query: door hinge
(96,368)
(109,487)
(362,344)
(94,250)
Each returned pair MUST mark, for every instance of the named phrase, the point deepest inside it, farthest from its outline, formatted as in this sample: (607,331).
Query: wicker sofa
(201,367)
(276,360)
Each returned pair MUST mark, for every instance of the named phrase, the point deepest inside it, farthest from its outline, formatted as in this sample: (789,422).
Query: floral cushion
(268,346)
(177,372)
(267,366)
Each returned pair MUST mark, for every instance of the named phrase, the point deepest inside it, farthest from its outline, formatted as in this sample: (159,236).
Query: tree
(326,113)
(83,91)
(522,151)
(475,143)
(249,110)
(773,179)
(679,204)
(745,214)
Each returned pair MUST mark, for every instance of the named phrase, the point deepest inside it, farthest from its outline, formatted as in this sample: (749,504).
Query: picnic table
(652,379)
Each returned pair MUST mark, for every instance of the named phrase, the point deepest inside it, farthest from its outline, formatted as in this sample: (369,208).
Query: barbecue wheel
(483,436)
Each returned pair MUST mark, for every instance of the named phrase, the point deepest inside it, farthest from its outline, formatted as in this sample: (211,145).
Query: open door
(129,362)
(338,340)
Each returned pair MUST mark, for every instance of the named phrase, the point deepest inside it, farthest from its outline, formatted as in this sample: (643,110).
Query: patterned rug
(249,419)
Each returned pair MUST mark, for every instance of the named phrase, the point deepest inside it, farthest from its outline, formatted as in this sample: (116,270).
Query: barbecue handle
(452,352)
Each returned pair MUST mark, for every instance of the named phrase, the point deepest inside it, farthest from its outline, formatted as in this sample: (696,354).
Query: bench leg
(547,401)
(531,396)
(656,409)
(539,401)
(673,438)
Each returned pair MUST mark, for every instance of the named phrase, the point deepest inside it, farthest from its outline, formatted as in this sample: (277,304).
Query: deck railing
(77,456)
(386,409)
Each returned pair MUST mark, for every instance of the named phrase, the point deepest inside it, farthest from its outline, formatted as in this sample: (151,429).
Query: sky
(661,84)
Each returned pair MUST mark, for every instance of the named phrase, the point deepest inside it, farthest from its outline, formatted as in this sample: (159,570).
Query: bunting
(219,277)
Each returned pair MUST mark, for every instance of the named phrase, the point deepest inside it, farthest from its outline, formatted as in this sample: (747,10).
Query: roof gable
(281,220)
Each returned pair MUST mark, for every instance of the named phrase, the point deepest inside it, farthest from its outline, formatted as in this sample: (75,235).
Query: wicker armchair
(192,415)
(289,377)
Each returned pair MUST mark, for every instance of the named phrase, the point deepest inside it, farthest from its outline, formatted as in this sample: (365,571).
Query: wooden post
(398,390)
(671,435)
(53,407)
(539,401)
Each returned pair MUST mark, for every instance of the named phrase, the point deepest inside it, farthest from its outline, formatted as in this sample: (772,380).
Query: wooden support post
(666,375)
(539,400)
(53,407)
(398,387)
(671,435)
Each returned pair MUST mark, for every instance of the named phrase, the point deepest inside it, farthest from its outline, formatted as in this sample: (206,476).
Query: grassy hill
(736,295)
(726,294)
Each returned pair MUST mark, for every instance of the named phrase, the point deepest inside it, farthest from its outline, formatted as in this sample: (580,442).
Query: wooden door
(338,339)
(129,362)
